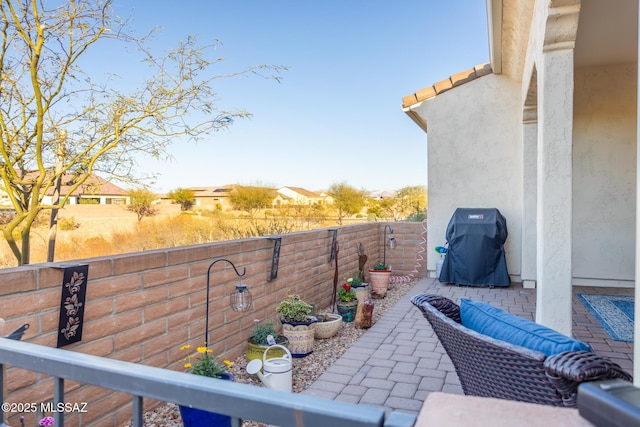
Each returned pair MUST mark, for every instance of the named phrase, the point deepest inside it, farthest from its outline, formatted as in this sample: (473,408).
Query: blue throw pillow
(496,323)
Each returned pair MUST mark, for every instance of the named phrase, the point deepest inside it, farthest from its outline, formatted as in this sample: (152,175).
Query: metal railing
(240,401)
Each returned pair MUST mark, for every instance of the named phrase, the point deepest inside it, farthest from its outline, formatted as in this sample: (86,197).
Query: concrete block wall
(141,307)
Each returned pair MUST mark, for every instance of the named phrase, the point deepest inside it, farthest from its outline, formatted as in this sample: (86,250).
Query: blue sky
(336,115)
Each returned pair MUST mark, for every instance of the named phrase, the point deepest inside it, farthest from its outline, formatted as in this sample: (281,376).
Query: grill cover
(476,248)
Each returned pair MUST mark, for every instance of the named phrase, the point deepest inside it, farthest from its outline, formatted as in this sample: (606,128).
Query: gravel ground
(305,370)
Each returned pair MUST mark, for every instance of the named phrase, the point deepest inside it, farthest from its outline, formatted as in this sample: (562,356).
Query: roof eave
(411,102)
(494,25)
(413,115)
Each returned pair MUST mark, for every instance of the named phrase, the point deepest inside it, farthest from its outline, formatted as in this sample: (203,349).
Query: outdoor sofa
(491,367)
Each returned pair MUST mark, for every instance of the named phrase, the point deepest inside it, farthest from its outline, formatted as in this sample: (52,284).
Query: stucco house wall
(574,115)
(474,157)
(604,174)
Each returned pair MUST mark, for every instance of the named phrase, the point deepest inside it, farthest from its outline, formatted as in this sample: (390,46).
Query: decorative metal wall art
(275,260)
(72,303)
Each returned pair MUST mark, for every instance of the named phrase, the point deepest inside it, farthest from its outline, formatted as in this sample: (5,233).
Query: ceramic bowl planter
(379,282)
(347,310)
(192,417)
(328,325)
(301,336)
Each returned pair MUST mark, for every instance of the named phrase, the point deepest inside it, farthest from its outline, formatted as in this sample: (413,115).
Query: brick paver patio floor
(399,361)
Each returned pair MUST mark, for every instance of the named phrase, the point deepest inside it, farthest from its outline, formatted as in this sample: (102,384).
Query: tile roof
(304,192)
(94,185)
(446,84)
(210,191)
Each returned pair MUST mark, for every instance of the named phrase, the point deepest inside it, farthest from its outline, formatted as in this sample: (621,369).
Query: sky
(336,114)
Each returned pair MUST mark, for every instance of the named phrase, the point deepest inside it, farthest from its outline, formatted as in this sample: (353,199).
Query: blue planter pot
(192,417)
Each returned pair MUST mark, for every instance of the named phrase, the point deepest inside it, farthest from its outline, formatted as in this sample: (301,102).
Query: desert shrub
(6,217)
(68,224)
(89,201)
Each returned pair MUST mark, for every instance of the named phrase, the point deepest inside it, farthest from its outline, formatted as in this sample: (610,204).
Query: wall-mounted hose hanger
(335,249)
(240,300)
(275,259)
(334,242)
(18,333)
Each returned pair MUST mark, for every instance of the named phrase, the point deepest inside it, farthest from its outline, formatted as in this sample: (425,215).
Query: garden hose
(419,258)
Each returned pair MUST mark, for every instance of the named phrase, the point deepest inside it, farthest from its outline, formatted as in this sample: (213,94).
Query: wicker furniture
(493,368)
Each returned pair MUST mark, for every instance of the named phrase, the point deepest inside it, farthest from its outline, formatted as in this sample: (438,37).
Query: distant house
(298,196)
(218,198)
(213,198)
(95,190)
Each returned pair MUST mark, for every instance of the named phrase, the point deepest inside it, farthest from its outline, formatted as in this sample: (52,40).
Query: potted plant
(204,364)
(297,324)
(379,277)
(328,325)
(347,302)
(361,288)
(258,342)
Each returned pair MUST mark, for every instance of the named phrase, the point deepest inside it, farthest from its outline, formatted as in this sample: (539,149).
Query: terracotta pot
(379,281)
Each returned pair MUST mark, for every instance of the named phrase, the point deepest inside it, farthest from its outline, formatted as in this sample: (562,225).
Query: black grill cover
(476,248)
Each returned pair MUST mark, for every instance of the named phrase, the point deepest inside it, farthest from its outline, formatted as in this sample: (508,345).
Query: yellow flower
(202,363)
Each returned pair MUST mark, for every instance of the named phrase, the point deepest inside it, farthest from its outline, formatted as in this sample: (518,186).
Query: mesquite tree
(58,126)
(347,200)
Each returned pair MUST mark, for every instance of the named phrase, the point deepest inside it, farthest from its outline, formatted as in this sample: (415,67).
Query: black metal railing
(240,401)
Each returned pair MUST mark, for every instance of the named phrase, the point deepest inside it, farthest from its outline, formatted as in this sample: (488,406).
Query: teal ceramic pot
(347,310)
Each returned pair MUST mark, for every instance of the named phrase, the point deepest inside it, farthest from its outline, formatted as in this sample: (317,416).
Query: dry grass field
(105,220)
(86,231)
(95,223)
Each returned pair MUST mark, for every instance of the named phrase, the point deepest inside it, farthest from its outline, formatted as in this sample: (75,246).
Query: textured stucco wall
(604,168)
(474,157)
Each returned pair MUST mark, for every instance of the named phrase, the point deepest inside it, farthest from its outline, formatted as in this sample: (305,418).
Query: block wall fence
(141,307)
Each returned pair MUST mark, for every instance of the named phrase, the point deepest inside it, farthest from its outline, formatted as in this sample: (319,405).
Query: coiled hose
(419,258)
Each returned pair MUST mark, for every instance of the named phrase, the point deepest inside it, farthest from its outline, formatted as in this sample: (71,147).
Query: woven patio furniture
(492,368)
